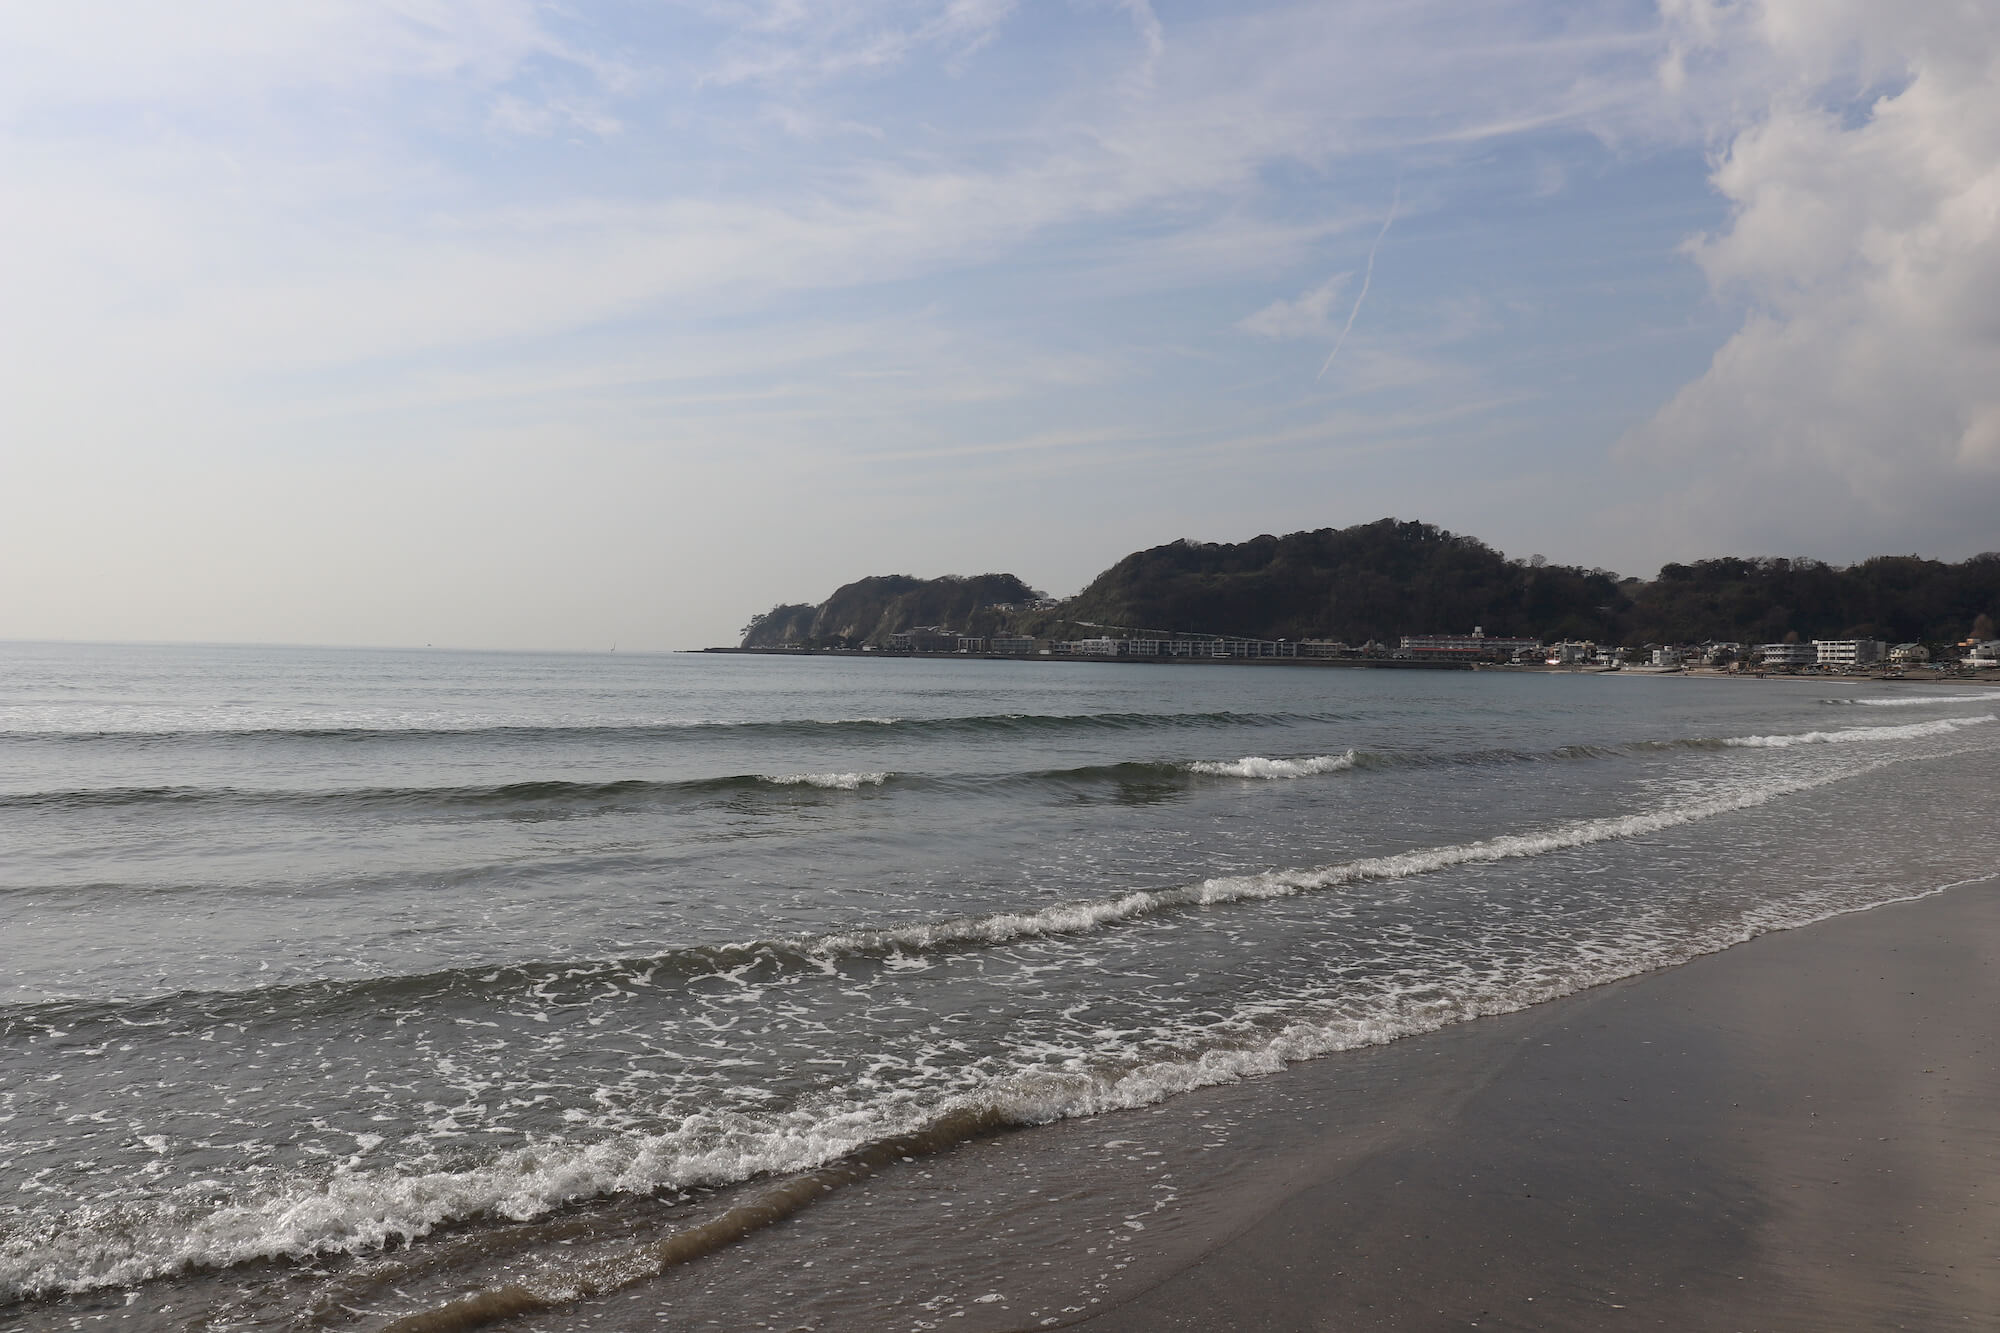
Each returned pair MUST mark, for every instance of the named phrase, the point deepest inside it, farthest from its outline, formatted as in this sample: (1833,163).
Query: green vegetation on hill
(1372,581)
(1386,579)
(1899,598)
(870,610)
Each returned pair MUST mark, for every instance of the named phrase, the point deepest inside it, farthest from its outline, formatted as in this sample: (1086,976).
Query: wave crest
(828,781)
(1256,766)
(1852,735)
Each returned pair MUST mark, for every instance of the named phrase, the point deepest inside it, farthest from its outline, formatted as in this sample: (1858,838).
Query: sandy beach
(1800,1133)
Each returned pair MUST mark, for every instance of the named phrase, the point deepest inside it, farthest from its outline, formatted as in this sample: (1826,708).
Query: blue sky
(515,324)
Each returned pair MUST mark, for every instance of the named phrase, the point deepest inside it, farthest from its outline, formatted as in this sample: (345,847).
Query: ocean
(357,989)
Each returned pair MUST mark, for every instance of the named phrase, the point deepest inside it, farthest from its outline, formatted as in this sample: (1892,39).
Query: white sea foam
(1077,917)
(360,1210)
(1912,700)
(831,781)
(1852,735)
(365,1210)
(1404,1016)
(1256,766)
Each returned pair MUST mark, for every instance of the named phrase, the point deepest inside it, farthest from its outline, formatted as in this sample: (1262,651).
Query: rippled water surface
(313,958)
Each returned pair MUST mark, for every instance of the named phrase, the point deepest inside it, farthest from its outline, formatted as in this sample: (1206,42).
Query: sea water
(338,986)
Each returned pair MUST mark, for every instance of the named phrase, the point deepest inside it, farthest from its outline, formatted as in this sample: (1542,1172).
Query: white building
(1666,657)
(1789,654)
(1849,652)
(1475,644)
(1909,652)
(1986,654)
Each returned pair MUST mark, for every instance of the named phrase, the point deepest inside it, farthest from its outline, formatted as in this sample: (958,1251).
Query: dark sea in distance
(338,984)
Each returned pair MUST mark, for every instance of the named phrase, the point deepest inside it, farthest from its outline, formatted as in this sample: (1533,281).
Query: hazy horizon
(516,326)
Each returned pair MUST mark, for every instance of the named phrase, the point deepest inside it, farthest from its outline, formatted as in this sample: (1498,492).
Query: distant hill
(1372,581)
(1898,598)
(1389,578)
(870,610)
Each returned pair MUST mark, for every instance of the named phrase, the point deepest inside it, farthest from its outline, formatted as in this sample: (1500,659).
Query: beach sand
(1800,1133)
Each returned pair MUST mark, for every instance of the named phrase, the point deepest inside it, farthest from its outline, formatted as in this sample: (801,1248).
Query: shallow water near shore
(342,986)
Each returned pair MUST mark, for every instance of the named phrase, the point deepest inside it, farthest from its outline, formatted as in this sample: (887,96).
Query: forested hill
(1899,598)
(1373,581)
(870,610)
(1385,579)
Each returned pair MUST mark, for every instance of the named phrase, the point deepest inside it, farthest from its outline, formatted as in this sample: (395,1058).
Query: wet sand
(1800,1133)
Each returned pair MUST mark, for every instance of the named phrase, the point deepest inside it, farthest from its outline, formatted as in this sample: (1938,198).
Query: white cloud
(1859,403)
(1309,315)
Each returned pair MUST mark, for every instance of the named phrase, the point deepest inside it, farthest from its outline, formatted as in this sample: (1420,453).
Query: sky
(511,324)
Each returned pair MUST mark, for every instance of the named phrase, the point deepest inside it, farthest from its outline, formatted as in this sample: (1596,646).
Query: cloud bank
(1860,398)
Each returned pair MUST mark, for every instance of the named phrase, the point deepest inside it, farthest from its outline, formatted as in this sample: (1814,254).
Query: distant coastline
(1910,676)
(1391,589)
(881,654)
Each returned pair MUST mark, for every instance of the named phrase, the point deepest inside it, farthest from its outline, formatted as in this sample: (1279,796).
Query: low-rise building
(1986,654)
(1788,654)
(925,639)
(1666,657)
(1909,652)
(1473,645)
(1572,652)
(1010,643)
(1848,652)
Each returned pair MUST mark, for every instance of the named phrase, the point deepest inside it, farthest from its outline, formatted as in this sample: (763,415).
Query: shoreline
(1800,1134)
(1916,676)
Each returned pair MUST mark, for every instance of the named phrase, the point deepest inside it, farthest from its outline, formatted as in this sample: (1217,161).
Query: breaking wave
(1852,735)
(1910,701)
(588,797)
(829,781)
(1256,766)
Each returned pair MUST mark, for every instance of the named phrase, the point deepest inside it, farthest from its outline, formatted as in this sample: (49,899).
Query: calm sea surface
(311,960)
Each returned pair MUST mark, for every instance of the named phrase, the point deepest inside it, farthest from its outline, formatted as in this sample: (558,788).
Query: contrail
(1367,275)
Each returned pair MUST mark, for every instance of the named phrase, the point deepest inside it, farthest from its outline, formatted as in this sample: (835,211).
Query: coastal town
(1872,657)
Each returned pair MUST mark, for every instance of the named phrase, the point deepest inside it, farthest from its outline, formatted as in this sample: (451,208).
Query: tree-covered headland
(1379,581)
